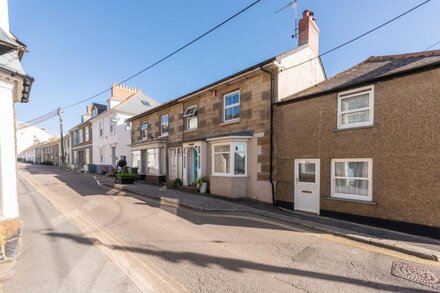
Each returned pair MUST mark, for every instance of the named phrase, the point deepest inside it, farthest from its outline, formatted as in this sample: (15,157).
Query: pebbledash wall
(403,144)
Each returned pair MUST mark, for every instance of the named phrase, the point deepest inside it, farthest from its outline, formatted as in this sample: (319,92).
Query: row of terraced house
(362,145)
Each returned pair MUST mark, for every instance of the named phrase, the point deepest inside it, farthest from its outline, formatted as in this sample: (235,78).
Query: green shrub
(176,183)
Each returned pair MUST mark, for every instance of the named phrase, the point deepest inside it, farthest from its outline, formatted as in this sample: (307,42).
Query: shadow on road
(233,264)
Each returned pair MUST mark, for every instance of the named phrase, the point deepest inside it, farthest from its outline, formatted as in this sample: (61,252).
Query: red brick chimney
(308,31)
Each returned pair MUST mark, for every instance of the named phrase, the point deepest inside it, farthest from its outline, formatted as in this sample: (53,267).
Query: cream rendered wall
(291,81)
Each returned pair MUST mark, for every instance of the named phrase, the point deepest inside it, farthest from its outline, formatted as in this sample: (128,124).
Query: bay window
(352,179)
(229,159)
(356,107)
(155,161)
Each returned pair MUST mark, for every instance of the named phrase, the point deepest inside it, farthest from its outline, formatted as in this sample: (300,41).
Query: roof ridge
(405,55)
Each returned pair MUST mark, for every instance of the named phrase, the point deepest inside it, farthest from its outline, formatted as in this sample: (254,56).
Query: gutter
(272,183)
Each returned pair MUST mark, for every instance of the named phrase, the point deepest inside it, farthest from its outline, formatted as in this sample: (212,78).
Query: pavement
(46,264)
(160,246)
(423,247)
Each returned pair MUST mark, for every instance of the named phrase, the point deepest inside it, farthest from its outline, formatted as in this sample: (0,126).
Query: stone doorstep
(364,238)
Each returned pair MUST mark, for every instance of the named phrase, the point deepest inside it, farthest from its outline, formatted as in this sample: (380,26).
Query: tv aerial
(294,5)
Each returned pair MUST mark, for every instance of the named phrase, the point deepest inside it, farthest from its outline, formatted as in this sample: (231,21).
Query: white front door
(307,185)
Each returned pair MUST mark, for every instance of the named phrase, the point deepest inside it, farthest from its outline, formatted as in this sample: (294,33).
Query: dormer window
(190,115)
(94,113)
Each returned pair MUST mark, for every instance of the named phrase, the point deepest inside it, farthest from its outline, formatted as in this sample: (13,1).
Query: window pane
(306,172)
(222,148)
(153,162)
(232,113)
(239,147)
(221,163)
(144,126)
(351,169)
(356,117)
(239,163)
(192,123)
(164,119)
(232,99)
(164,128)
(351,186)
(357,102)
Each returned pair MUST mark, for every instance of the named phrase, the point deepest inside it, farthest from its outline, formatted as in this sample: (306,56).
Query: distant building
(81,138)
(110,129)
(27,136)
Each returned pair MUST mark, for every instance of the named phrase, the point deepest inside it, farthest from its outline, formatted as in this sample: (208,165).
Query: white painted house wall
(26,137)
(121,138)
(291,81)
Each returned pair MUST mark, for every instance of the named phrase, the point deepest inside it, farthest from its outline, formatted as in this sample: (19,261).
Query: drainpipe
(272,183)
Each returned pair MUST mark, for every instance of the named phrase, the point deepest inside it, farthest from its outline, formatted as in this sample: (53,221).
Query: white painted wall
(8,177)
(301,77)
(26,137)
(120,138)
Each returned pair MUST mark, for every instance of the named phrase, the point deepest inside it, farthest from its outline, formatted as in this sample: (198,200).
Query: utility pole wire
(358,37)
(169,55)
(431,46)
(41,119)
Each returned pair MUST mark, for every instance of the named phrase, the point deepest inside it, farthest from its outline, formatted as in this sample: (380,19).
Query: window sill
(190,130)
(352,200)
(228,175)
(230,122)
(354,128)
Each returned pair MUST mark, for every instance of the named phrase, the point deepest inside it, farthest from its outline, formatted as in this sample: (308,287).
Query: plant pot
(124,180)
(204,187)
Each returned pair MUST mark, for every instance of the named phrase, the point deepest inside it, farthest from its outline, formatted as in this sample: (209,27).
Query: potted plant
(125,178)
(176,183)
(202,184)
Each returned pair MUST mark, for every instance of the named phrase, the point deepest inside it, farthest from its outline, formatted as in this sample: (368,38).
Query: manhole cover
(412,273)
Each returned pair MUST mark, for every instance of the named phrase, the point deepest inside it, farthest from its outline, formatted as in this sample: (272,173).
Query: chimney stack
(308,31)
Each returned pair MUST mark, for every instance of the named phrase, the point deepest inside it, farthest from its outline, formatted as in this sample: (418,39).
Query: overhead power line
(170,54)
(360,36)
(40,119)
(432,46)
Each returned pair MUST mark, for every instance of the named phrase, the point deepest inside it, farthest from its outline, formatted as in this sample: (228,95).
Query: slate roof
(373,69)
(100,107)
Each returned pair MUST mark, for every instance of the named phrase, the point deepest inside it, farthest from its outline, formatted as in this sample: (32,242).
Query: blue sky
(78,48)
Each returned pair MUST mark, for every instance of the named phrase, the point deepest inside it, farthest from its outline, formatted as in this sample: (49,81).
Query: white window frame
(162,124)
(354,93)
(87,134)
(80,136)
(142,130)
(94,112)
(367,198)
(231,158)
(101,128)
(230,106)
(191,116)
(112,125)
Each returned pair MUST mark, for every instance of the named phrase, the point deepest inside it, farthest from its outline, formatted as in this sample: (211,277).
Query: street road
(121,244)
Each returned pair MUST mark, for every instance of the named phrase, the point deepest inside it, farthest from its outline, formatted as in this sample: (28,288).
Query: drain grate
(415,274)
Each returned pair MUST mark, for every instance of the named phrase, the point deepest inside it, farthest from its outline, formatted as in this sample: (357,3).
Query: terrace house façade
(364,144)
(224,130)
